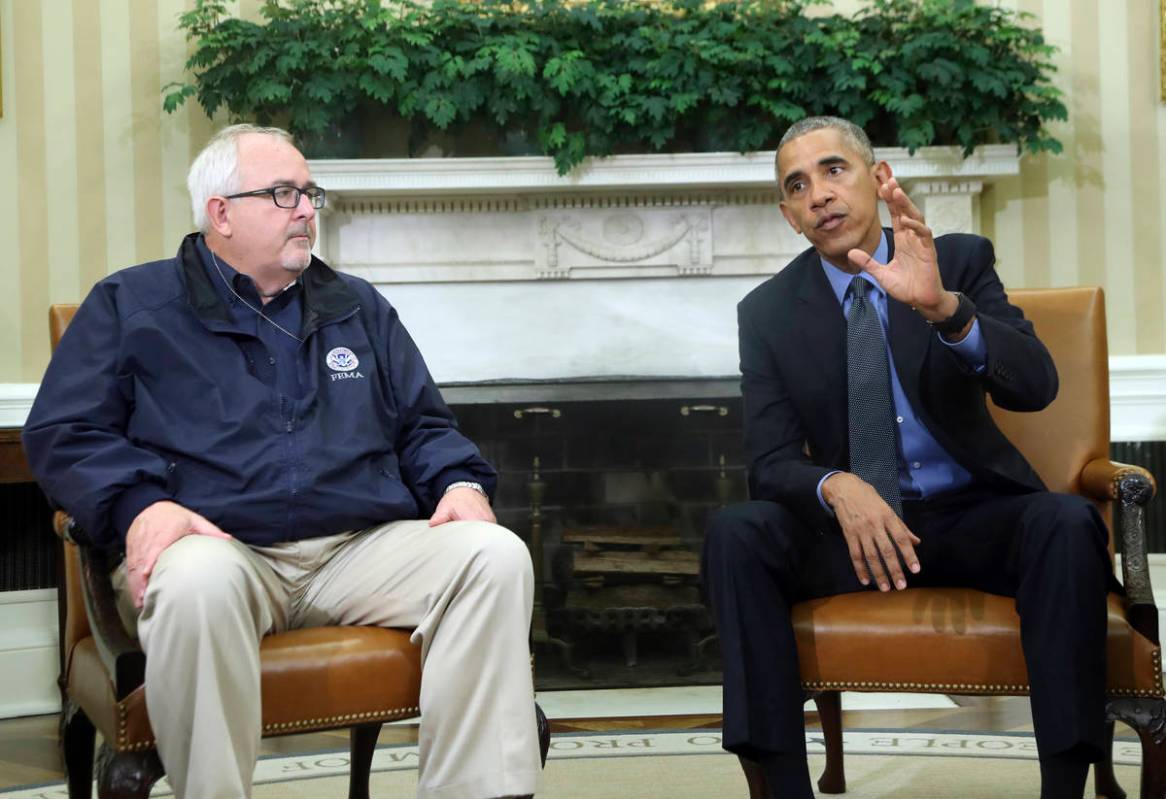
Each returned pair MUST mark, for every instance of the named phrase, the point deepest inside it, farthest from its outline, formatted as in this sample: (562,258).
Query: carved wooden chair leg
(833,779)
(1148,718)
(544,733)
(755,776)
(1153,766)
(363,742)
(77,739)
(1104,780)
(126,775)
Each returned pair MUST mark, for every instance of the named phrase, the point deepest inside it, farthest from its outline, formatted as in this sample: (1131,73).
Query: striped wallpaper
(1095,214)
(93,169)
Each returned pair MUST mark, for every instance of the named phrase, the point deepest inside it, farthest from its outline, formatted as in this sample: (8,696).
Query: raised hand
(912,276)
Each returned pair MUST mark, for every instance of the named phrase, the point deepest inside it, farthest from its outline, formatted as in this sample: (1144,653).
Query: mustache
(300,230)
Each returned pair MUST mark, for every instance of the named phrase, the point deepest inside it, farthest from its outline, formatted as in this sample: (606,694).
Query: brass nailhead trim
(815,685)
(400,713)
(955,688)
(123,744)
(976,688)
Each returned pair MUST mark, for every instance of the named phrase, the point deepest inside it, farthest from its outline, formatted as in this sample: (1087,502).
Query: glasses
(286,196)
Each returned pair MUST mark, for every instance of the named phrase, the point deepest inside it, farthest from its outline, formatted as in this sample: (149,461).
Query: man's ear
(789,217)
(216,214)
(882,172)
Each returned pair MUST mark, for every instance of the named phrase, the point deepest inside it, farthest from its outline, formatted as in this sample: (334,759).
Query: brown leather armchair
(313,679)
(960,641)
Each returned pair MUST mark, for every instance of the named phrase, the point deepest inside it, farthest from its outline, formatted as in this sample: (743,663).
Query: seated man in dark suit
(873,461)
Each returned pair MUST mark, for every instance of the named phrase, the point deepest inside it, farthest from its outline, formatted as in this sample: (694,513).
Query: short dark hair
(854,135)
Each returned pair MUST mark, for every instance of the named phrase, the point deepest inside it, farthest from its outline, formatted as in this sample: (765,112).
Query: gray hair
(854,135)
(215,170)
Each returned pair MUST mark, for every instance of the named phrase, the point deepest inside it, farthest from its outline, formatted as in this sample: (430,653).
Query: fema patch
(342,359)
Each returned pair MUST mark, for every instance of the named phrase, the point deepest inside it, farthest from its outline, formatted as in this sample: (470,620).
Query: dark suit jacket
(793,366)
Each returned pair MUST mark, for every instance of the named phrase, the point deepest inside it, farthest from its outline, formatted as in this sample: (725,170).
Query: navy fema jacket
(153,394)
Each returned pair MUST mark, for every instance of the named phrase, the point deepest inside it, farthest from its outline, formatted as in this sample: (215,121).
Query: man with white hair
(261,438)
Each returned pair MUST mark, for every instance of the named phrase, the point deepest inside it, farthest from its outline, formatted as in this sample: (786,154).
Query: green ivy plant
(585,78)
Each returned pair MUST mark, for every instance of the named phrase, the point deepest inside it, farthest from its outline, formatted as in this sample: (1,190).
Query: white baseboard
(28,653)
(1137,398)
(15,403)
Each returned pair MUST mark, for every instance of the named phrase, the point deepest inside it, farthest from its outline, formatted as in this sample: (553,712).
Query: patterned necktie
(874,450)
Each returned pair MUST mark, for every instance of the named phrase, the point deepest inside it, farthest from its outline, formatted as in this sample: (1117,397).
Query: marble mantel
(630,265)
(510,333)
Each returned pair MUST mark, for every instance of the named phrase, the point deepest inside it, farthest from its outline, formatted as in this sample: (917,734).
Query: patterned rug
(691,765)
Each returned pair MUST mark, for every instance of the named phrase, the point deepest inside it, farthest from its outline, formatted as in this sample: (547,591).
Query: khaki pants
(466,588)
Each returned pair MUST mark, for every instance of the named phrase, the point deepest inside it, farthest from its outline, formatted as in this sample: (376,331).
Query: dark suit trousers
(1046,550)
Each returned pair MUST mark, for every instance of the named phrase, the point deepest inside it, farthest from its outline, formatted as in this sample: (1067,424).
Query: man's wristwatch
(466,484)
(958,320)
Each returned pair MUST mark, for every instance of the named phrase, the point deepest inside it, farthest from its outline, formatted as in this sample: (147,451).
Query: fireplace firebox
(609,483)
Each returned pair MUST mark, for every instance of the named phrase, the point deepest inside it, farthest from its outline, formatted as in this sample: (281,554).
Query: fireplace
(610,483)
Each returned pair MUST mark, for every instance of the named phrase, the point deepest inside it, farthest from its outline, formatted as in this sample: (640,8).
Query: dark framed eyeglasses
(286,196)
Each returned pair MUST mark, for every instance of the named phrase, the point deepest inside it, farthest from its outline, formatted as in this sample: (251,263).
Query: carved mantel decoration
(631,242)
(492,219)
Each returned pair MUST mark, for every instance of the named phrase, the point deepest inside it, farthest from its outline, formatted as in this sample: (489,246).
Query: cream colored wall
(93,168)
(1095,214)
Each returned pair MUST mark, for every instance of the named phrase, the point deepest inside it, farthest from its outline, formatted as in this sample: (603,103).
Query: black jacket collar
(326,296)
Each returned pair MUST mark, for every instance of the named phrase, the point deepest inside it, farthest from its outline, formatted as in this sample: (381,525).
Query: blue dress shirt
(281,364)
(925,467)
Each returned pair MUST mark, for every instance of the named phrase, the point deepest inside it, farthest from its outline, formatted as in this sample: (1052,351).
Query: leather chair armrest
(123,657)
(119,651)
(1132,487)
(66,528)
(1101,479)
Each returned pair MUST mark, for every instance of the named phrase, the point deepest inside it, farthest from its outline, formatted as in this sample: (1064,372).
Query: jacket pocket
(192,479)
(390,466)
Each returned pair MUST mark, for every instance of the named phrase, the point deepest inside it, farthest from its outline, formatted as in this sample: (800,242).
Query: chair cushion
(313,679)
(944,640)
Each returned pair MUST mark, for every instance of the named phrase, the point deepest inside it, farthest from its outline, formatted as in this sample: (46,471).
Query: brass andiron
(536,489)
(698,648)
(724,484)
(724,491)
